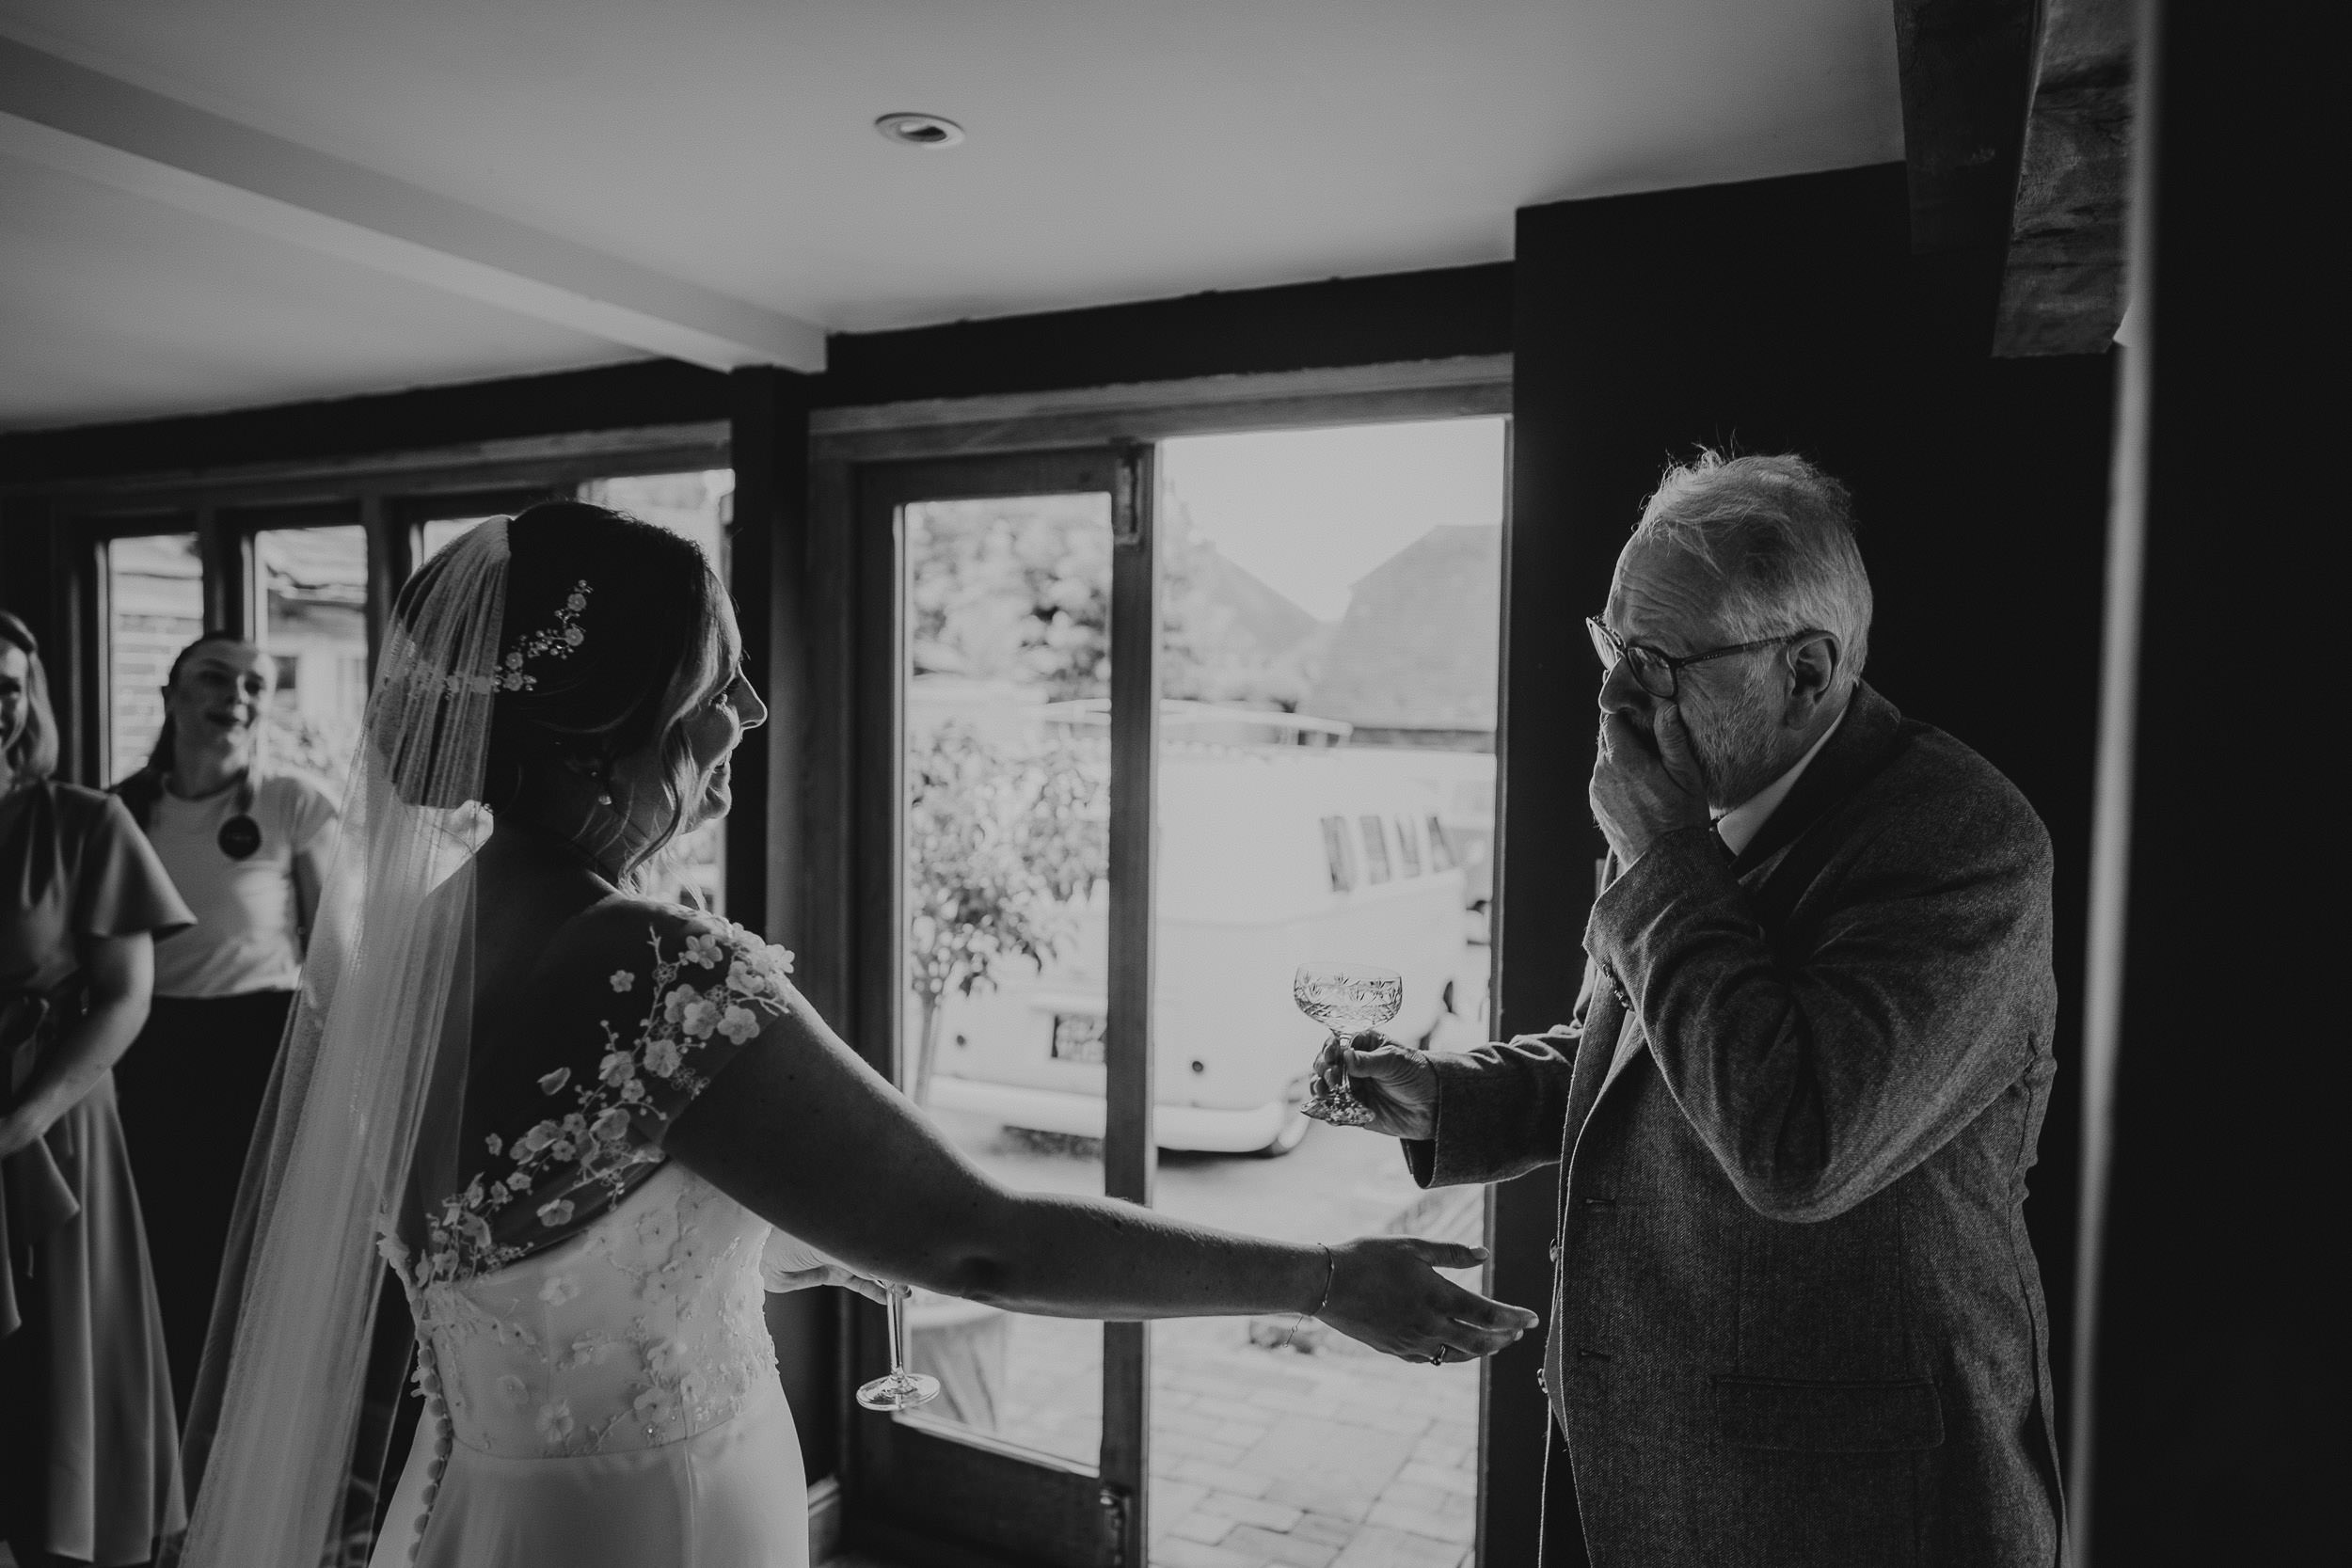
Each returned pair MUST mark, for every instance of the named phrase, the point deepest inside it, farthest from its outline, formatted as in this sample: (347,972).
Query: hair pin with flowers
(555,641)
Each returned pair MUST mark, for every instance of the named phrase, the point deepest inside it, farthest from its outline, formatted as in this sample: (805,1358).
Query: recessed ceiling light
(920,130)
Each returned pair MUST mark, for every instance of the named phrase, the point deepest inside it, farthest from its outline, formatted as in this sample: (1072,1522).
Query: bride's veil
(366,1092)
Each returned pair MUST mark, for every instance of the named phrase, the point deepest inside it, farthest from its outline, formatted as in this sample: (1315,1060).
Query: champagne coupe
(1347,999)
(902,1389)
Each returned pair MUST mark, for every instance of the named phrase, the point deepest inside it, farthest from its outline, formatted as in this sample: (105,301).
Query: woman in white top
(248,848)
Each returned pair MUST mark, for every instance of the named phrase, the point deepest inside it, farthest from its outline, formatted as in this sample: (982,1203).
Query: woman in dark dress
(89,1459)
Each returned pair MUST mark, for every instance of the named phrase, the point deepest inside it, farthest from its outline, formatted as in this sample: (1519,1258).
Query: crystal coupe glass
(1347,999)
(899,1389)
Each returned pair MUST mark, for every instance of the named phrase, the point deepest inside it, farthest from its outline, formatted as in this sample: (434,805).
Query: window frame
(387,495)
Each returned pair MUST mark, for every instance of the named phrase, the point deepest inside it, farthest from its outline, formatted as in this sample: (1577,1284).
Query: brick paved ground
(1331,1460)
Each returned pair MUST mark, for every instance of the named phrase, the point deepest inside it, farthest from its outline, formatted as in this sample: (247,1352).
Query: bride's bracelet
(1330,1272)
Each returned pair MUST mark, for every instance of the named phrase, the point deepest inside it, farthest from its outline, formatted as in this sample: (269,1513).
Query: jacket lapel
(1601,1050)
(1628,1037)
(1864,743)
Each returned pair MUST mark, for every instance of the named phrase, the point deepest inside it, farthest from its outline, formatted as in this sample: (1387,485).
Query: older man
(1795,1319)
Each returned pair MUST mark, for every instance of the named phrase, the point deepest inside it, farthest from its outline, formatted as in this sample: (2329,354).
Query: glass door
(1005,607)
(1330,659)
(1141,731)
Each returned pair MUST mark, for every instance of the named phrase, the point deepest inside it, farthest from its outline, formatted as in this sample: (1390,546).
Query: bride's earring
(604,783)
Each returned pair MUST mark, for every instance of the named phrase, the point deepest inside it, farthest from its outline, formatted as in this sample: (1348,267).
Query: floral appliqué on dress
(581,1294)
(724,984)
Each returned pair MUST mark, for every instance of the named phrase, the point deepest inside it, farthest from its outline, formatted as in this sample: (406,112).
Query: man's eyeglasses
(1660,674)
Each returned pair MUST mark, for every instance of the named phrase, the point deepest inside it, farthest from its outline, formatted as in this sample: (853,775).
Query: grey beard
(1735,758)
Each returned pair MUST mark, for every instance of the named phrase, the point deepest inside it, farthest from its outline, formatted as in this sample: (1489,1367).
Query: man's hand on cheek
(1639,794)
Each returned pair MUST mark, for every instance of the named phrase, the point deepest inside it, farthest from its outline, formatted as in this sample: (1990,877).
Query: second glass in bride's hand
(902,1389)
(1347,999)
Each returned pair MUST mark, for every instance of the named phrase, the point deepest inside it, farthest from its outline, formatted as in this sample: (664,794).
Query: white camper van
(1269,856)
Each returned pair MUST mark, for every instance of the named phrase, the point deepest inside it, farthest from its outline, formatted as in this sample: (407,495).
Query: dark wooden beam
(1439,314)
(611,397)
(767,553)
(1130,1151)
(2062,286)
(1965,68)
(1444,313)
(2211,1373)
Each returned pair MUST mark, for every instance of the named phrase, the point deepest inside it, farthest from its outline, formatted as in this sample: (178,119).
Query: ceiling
(1117,151)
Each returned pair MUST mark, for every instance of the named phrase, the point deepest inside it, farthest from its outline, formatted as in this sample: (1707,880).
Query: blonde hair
(33,755)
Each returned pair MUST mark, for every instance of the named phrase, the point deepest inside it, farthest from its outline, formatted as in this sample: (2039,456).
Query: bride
(568,1118)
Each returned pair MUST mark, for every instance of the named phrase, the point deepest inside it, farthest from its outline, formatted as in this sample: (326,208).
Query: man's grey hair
(1779,534)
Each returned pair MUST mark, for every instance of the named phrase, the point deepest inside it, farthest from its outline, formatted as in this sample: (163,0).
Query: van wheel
(1294,1133)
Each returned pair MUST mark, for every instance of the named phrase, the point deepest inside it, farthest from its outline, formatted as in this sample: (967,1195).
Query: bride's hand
(1386,1291)
(780,1280)
(789,1263)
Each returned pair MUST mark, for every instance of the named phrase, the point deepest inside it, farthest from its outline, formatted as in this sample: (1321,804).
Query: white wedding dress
(611,1401)
(601,1387)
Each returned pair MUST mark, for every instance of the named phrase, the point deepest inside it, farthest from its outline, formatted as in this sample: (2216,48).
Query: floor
(1339,1457)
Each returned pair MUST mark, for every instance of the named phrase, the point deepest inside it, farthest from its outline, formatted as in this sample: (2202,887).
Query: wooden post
(766,575)
(1130,1152)
(391,559)
(231,598)
(2211,1316)
(768,552)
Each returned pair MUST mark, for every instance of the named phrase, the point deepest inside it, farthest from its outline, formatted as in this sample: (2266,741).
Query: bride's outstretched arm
(797,1128)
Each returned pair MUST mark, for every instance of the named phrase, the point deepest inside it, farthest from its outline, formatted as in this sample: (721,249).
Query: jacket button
(1556,1255)
(1541,1384)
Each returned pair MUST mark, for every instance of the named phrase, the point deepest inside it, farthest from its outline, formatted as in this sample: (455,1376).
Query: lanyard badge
(240,836)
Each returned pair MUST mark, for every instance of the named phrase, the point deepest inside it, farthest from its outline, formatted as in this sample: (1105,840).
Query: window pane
(154,607)
(1007,841)
(313,622)
(1375,851)
(698,505)
(438,534)
(1332,606)
(1407,847)
(1336,857)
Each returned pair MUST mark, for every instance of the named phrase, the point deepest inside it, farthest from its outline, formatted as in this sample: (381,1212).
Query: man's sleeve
(1502,1111)
(1819,1077)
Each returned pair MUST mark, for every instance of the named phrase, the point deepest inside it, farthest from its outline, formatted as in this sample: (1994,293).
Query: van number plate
(1077,1038)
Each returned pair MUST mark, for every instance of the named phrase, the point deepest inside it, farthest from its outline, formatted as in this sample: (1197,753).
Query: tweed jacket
(1795,1319)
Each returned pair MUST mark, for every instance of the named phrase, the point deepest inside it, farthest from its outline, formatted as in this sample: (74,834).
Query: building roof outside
(1418,648)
